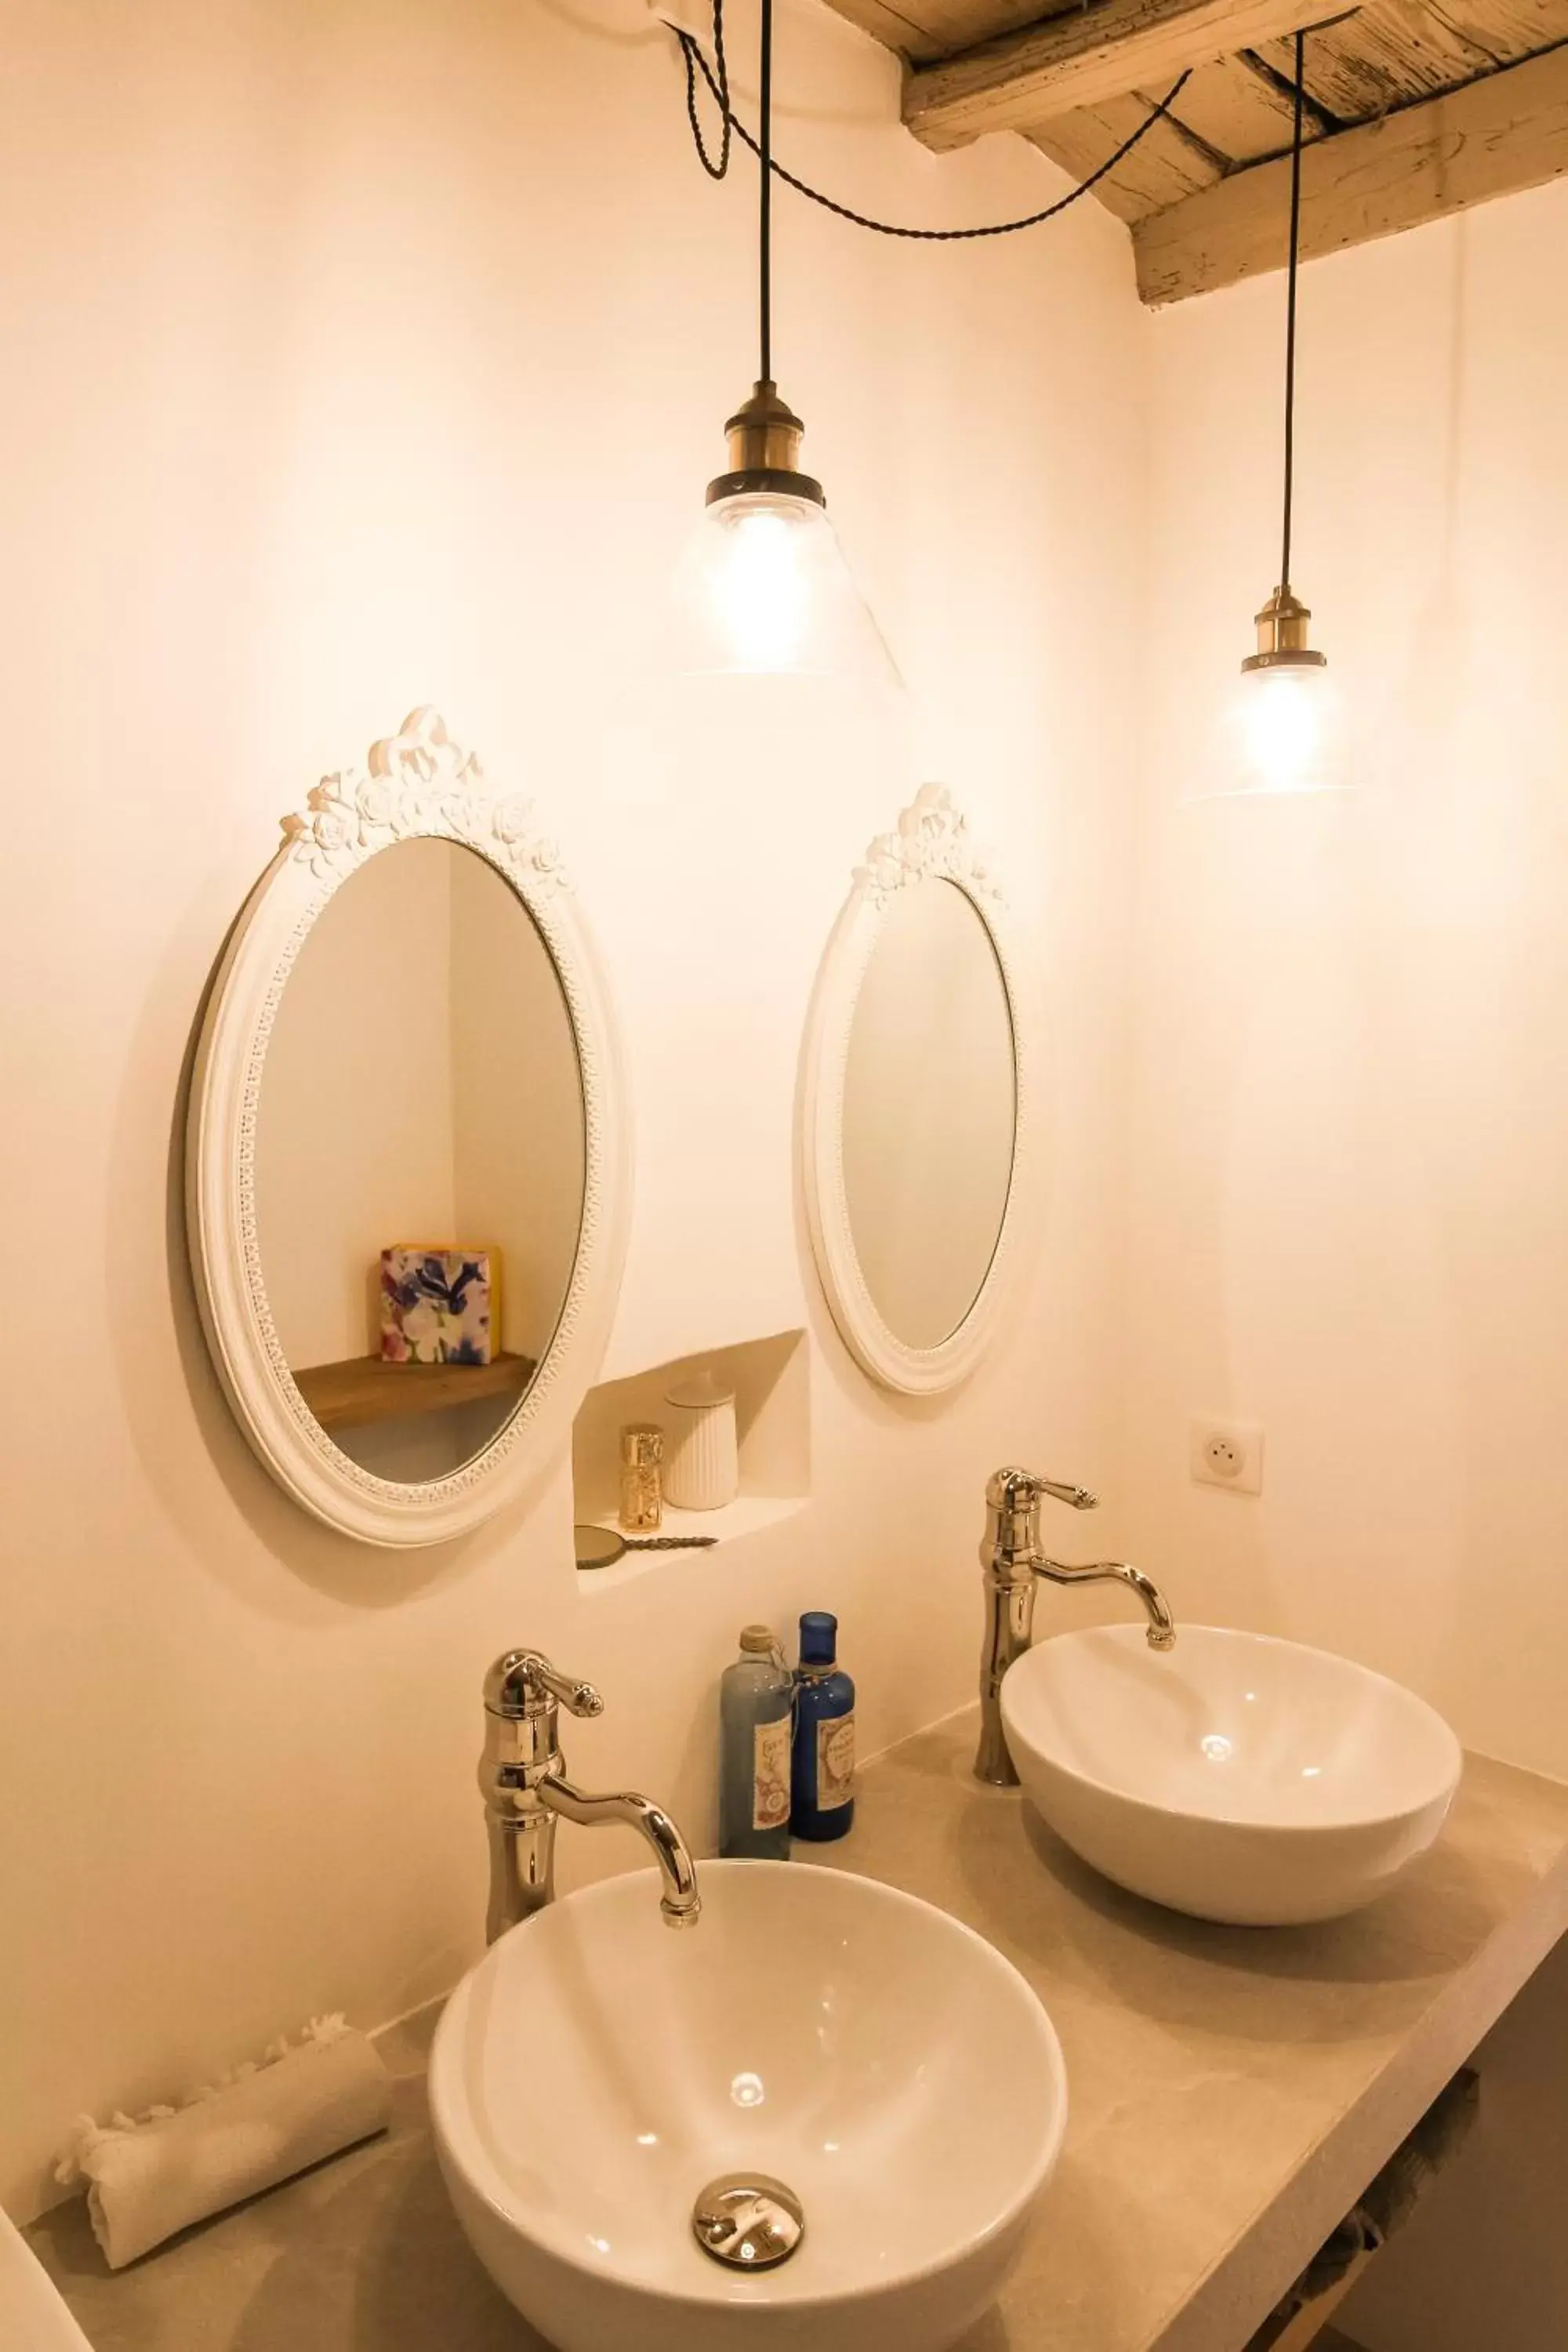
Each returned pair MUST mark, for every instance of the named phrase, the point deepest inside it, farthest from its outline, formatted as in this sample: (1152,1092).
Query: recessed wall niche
(772,1382)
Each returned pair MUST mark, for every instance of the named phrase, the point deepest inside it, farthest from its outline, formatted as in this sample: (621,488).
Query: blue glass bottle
(822,1776)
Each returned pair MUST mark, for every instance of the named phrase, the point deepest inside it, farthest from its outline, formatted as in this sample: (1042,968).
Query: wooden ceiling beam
(1088,55)
(1493,137)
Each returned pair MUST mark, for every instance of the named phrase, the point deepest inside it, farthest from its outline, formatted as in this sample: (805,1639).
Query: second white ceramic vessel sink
(597,2071)
(1237,1776)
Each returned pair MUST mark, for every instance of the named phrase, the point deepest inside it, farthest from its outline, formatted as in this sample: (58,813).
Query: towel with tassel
(150,2175)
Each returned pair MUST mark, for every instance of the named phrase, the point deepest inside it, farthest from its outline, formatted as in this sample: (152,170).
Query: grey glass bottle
(755,1698)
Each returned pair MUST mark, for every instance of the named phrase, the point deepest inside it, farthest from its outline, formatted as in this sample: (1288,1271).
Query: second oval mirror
(913,1104)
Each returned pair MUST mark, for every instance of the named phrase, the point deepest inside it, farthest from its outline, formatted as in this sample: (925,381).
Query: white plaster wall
(371,352)
(1350,1117)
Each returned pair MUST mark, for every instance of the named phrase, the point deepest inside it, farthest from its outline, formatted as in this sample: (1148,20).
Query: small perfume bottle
(822,1776)
(756,1698)
(642,1476)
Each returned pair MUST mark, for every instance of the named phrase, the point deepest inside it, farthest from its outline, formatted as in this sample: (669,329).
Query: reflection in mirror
(421,1091)
(928,1115)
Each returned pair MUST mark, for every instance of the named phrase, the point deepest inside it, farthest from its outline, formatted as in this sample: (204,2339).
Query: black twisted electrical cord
(765,186)
(719,90)
(715,170)
(1290,310)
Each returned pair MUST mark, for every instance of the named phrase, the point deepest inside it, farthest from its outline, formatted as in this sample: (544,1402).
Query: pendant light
(1284,721)
(762,587)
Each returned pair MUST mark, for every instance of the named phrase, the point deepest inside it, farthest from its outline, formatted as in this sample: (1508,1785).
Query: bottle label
(770,1775)
(835,1762)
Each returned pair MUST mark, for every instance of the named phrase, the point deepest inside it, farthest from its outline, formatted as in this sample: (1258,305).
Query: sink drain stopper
(748,2222)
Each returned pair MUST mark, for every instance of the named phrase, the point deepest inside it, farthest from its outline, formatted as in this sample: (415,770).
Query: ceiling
(1415,109)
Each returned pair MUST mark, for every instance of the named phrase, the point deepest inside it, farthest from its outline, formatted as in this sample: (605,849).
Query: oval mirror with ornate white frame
(914,1103)
(408,1150)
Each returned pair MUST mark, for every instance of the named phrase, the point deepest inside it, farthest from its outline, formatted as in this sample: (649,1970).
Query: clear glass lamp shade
(1282,731)
(761,589)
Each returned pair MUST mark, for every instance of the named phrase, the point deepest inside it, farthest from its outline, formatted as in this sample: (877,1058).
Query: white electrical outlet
(1228,1454)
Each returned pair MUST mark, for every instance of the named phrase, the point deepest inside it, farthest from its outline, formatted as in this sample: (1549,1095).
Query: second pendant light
(1284,724)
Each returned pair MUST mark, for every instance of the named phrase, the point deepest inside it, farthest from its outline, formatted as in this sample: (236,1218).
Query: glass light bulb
(760,596)
(763,588)
(1283,732)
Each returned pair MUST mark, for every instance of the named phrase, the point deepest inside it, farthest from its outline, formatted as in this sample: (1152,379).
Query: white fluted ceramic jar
(702,1463)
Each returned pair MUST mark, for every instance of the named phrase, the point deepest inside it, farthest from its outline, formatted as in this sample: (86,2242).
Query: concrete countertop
(1233,2090)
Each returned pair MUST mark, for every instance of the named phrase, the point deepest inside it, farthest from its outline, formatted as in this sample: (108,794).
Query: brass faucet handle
(523,1682)
(1015,1490)
(1077,1498)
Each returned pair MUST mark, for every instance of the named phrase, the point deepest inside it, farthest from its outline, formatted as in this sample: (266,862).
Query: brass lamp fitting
(765,451)
(1282,637)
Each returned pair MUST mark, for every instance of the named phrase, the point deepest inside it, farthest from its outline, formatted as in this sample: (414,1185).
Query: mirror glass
(419,1159)
(929,1111)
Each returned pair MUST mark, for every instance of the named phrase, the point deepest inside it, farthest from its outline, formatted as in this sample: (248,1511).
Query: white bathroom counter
(1233,2090)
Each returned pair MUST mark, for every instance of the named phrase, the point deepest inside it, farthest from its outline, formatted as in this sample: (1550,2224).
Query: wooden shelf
(367,1389)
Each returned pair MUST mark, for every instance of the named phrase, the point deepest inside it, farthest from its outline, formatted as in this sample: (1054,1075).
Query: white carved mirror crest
(412,1003)
(915,1103)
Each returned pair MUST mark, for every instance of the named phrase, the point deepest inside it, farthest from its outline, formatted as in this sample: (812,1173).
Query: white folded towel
(149,2176)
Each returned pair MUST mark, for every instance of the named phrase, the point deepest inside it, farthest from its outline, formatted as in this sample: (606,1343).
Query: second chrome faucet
(526,1791)
(1012,1562)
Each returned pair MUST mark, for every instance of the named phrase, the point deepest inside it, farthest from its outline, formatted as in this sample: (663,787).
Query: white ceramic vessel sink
(597,2070)
(1236,1777)
(32,2316)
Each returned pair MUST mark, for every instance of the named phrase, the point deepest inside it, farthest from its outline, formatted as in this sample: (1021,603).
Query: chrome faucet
(1012,1560)
(523,1782)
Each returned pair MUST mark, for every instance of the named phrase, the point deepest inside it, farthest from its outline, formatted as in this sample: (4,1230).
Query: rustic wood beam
(1493,137)
(1089,53)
